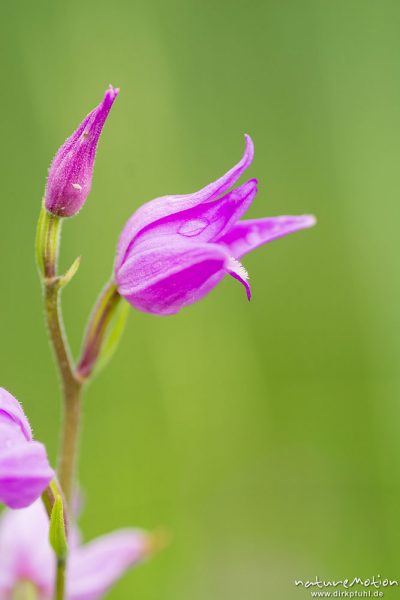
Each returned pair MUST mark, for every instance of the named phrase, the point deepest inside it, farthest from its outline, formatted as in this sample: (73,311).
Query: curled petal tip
(249,149)
(112,92)
(110,95)
(253,183)
(237,271)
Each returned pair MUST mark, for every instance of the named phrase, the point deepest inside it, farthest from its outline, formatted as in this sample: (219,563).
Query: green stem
(60,580)
(72,389)
(47,243)
(71,386)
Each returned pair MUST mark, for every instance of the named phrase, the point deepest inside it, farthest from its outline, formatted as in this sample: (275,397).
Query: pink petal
(170,274)
(24,474)
(168,205)
(11,407)
(206,222)
(95,567)
(10,433)
(245,236)
(25,553)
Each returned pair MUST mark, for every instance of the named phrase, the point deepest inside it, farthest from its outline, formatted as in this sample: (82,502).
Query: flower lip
(170,274)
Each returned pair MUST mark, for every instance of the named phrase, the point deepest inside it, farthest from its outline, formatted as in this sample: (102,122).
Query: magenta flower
(24,468)
(70,174)
(176,249)
(27,558)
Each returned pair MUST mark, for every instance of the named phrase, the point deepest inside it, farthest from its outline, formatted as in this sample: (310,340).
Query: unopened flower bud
(70,174)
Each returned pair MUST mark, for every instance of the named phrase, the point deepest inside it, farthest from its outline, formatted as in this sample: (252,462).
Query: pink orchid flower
(27,560)
(174,250)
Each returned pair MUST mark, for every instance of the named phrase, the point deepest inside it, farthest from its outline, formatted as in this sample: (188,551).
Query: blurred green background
(265,436)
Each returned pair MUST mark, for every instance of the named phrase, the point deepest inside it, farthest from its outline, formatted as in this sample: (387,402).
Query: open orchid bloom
(24,469)
(70,174)
(176,249)
(28,562)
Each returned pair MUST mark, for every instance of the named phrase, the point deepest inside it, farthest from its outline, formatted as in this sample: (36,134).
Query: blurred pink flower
(176,249)
(26,556)
(24,468)
(70,174)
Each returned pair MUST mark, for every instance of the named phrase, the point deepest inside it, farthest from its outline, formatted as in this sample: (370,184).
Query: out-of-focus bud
(70,174)
(57,533)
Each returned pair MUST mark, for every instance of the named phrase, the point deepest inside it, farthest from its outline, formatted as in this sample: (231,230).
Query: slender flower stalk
(60,580)
(49,231)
